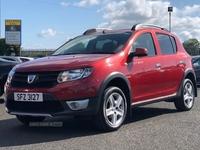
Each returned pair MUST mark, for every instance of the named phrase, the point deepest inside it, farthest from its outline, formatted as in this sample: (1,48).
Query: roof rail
(89,31)
(141,26)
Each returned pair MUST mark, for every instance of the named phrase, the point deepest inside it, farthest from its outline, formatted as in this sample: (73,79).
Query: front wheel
(186,101)
(112,110)
(27,119)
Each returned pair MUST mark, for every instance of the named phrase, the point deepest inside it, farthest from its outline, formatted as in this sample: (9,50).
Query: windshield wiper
(66,54)
(71,53)
(100,52)
(85,53)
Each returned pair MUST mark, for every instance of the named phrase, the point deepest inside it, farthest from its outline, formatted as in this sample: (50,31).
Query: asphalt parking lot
(153,127)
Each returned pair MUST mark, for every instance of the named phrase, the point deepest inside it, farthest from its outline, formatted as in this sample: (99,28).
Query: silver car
(18,59)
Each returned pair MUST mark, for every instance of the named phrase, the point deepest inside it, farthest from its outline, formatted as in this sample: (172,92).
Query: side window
(24,59)
(145,41)
(10,59)
(196,63)
(173,43)
(101,43)
(167,43)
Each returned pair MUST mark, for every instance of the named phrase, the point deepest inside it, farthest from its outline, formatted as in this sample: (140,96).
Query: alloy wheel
(114,109)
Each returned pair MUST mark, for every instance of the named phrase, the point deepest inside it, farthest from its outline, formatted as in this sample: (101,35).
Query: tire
(112,111)
(27,119)
(186,101)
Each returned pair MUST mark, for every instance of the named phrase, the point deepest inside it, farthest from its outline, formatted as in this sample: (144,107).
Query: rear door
(172,64)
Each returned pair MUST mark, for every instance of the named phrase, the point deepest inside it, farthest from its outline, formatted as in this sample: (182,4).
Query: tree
(192,46)
(6,49)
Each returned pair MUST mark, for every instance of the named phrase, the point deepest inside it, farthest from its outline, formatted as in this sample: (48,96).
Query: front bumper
(51,106)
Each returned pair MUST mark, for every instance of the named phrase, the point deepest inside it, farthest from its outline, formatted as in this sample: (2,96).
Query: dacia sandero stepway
(102,74)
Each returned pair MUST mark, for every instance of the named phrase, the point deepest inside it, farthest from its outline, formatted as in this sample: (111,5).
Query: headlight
(75,74)
(10,75)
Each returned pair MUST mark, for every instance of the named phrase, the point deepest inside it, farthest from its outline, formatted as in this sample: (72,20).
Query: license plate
(28,97)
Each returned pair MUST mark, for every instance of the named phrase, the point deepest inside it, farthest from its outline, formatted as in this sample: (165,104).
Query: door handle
(158,65)
(180,62)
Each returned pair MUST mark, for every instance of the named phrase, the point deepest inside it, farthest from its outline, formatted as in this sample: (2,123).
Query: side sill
(150,101)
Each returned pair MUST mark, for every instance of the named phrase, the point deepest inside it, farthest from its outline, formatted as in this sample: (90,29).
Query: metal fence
(35,52)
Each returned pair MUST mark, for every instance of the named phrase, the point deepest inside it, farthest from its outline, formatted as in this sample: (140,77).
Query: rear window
(167,44)
(24,59)
(10,59)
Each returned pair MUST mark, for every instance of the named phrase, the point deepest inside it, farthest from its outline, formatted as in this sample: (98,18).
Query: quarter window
(173,43)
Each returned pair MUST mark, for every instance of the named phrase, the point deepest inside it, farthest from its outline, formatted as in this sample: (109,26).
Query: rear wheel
(27,119)
(186,101)
(112,111)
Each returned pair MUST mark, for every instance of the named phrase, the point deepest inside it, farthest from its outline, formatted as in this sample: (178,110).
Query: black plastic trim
(106,82)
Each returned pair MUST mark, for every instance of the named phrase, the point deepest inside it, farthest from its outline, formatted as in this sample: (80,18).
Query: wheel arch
(119,80)
(189,74)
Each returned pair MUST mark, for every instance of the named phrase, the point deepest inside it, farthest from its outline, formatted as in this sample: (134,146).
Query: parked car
(18,59)
(5,68)
(195,57)
(103,75)
(196,64)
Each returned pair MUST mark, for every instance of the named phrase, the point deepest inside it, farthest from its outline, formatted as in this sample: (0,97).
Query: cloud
(47,33)
(85,3)
(135,12)
(124,14)
(64,4)
(187,10)
(185,35)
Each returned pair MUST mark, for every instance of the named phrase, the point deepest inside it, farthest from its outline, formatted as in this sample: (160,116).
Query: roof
(135,27)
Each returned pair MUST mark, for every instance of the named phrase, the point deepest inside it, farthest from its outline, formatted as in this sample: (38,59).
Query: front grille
(48,107)
(42,80)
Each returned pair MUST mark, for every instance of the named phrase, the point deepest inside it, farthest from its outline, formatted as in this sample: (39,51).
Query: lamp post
(170,9)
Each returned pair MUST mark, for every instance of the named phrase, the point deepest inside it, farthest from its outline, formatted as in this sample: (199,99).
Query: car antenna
(113,19)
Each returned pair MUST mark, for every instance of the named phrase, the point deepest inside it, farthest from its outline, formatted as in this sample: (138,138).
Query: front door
(146,72)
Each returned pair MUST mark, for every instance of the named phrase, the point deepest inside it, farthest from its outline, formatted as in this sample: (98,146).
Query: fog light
(74,105)
(78,105)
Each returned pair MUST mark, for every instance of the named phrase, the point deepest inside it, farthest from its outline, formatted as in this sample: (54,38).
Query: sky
(47,24)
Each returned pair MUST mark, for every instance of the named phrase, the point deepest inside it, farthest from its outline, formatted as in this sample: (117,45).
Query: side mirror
(138,52)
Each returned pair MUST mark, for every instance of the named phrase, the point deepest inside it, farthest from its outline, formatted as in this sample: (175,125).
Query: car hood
(58,63)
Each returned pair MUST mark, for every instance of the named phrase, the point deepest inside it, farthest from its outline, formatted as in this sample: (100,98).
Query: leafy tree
(192,46)
(6,49)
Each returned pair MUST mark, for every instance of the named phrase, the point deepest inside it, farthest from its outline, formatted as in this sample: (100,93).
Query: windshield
(94,44)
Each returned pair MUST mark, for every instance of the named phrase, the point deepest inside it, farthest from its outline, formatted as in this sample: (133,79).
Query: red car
(103,74)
